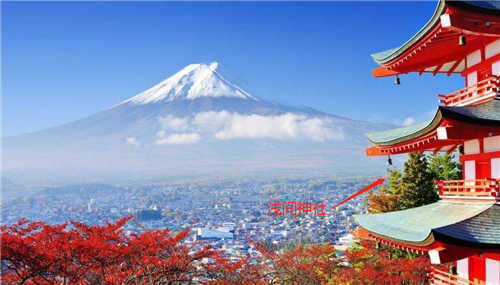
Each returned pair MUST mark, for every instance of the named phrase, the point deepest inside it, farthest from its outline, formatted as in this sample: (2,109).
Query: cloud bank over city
(224,125)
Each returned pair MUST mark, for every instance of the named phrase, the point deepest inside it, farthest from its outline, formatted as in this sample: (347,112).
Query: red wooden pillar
(477,268)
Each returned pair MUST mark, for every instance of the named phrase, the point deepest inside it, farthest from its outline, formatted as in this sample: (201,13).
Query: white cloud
(172,123)
(176,139)
(133,141)
(416,119)
(224,125)
(161,134)
(409,121)
(287,126)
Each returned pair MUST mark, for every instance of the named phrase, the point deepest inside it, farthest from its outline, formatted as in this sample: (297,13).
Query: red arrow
(376,183)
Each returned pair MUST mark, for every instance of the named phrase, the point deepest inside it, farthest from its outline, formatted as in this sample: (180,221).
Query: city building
(463,227)
(347,239)
(208,234)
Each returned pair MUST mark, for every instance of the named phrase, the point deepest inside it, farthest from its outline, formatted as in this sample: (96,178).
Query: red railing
(474,94)
(469,188)
(440,277)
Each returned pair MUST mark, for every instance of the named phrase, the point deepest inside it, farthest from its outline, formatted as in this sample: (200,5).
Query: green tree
(417,183)
(386,199)
(414,187)
(445,167)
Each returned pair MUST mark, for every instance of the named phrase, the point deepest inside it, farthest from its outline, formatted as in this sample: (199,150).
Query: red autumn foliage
(314,264)
(38,253)
(75,253)
(368,265)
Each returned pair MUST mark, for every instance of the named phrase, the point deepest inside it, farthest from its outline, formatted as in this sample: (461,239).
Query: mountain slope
(201,120)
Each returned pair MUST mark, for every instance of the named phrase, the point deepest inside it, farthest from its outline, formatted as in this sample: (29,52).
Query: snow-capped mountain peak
(194,81)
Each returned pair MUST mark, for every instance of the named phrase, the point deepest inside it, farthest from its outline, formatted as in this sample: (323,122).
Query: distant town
(230,215)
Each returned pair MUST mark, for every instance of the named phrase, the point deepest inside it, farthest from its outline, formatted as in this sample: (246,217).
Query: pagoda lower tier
(446,230)
(464,233)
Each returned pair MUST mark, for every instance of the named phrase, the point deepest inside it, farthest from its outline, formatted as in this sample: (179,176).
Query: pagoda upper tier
(438,46)
(450,127)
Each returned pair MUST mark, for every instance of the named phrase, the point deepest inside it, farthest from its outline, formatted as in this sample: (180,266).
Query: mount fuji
(203,120)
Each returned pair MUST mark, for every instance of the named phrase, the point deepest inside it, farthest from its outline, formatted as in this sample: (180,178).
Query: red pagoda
(463,227)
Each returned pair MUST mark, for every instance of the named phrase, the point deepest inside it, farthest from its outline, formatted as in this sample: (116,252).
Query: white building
(347,239)
(204,233)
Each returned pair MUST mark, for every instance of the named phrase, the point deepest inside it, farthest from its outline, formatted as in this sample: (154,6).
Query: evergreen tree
(417,183)
(386,199)
(416,186)
(445,167)
(394,181)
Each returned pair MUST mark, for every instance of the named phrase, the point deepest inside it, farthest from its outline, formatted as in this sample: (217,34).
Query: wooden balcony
(480,92)
(440,277)
(481,188)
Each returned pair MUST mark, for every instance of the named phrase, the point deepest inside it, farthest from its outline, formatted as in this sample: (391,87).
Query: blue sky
(62,61)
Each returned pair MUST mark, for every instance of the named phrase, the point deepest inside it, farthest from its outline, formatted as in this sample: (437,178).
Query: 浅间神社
(463,227)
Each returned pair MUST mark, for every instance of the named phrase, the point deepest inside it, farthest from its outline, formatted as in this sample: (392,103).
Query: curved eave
(388,55)
(417,226)
(485,114)
(487,8)
(400,135)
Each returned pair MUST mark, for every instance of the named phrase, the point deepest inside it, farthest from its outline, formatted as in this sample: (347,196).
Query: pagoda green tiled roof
(387,55)
(470,222)
(486,7)
(394,134)
(379,56)
(483,114)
